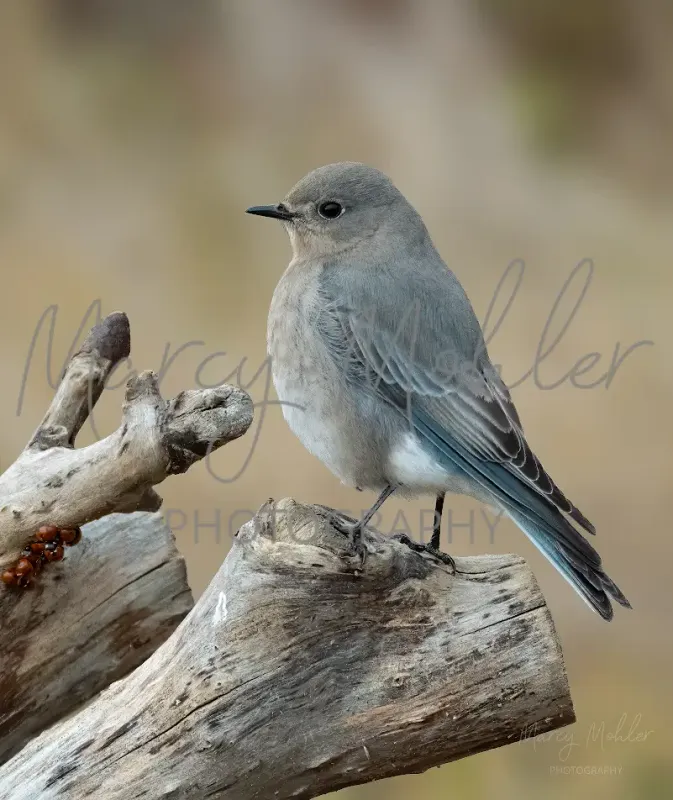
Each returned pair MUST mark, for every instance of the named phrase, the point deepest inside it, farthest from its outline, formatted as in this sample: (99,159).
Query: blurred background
(134,133)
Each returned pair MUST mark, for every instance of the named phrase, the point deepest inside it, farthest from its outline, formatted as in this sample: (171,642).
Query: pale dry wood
(296,675)
(93,617)
(52,483)
(87,622)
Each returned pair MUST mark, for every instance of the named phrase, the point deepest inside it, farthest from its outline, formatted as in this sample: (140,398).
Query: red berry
(9,577)
(54,555)
(71,536)
(23,567)
(47,533)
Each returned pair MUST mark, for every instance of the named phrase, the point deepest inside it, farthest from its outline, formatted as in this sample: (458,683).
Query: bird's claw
(353,531)
(358,545)
(445,558)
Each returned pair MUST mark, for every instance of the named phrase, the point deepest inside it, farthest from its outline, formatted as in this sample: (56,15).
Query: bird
(382,372)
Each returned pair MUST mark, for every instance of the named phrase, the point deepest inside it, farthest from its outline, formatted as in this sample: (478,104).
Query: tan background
(134,134)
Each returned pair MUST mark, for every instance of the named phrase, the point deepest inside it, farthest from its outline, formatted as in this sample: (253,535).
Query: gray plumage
(381,365)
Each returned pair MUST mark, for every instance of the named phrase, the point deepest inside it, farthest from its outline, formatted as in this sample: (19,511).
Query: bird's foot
(353,531)
(358,545)
(445,558)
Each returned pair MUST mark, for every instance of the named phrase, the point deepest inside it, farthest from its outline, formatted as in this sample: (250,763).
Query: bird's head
(337,207)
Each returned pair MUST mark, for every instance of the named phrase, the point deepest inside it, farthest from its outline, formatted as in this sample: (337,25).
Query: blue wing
(457,404)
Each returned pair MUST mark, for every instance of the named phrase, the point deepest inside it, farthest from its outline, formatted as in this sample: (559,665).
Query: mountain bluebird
(382,369)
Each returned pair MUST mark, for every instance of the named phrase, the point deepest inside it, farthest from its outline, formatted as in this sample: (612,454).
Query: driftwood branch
(93,617)
(88,621)
(52,483)
(296,675)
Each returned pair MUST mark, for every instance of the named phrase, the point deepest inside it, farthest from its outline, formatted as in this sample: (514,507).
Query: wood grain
(296,675)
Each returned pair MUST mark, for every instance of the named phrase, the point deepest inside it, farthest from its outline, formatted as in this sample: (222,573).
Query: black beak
(276,212)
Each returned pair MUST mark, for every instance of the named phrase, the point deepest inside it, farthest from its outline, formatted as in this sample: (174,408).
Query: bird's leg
(354,532)
(433,547)
(437,524)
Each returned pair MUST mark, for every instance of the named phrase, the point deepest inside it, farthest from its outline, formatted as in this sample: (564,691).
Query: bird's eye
(330,210)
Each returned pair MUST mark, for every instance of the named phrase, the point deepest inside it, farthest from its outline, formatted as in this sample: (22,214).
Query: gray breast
(318,405)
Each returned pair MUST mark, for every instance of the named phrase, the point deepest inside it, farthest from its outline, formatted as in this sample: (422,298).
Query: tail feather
(547,527)
(588,579)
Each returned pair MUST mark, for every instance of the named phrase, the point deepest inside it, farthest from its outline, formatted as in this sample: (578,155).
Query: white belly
(412,466)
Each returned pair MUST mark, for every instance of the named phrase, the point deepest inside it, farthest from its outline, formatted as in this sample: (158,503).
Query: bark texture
(91,618)
(53,483)
(87,622)
(296,674)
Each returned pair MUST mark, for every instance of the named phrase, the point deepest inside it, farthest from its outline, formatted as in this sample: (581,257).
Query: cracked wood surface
(116,597)
(91,618)
(53,483)
(296,675)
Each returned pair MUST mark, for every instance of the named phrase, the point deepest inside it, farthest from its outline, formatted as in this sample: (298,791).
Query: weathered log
(297,674)
(52,483)
(93,617)
(88,621)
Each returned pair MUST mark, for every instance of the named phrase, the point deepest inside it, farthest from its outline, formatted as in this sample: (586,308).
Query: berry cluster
(47,545)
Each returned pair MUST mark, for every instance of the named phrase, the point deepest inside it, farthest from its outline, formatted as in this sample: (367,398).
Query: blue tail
(533,512)
(585,575)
